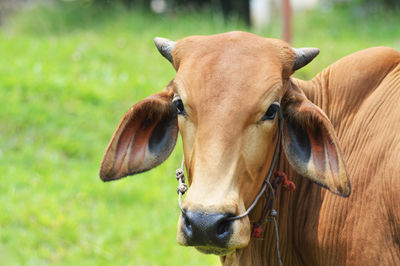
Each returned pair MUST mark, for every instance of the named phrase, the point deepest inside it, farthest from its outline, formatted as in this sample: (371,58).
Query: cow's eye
(178,104)
(271,112)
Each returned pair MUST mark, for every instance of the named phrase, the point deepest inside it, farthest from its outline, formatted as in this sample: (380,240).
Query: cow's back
(361,95)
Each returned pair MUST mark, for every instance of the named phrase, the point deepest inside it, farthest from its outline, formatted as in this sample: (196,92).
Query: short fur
(347,119)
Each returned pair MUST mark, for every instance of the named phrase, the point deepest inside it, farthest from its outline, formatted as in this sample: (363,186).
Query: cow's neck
(297,235)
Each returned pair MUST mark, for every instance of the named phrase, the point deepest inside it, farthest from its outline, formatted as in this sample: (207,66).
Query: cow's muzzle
(204,229)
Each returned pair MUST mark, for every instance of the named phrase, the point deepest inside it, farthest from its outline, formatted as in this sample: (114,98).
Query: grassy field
(67,75)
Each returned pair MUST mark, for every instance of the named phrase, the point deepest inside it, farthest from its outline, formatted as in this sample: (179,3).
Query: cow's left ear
(310,143)
(144,138)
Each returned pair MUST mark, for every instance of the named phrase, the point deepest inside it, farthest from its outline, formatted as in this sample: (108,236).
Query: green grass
(67,75)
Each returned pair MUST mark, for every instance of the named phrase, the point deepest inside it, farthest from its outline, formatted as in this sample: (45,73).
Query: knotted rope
(182,187)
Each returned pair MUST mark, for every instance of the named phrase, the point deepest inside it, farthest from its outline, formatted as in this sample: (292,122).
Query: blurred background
(69,70)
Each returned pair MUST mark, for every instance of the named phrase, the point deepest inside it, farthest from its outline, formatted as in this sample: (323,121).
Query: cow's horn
(304,56)
(165,47)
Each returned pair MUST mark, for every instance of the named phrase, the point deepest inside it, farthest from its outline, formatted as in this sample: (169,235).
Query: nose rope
(266,181)
(182,188)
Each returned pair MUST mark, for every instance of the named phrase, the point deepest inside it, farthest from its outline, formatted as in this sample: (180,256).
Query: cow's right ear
(144,138)
(310,143)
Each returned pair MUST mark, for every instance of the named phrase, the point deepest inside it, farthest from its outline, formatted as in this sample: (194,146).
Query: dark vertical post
(238,7)
(287,20)
(246,11)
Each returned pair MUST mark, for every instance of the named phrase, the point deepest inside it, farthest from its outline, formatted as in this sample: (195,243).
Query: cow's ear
(145,138)
(311,145)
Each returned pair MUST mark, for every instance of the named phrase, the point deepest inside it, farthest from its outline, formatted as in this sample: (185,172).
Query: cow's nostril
(224,227)
(187,223)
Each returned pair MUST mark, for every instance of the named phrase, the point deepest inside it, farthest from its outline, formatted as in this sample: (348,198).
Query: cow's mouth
(214,250)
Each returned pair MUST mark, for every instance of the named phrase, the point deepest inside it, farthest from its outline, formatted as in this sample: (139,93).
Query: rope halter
(280,178)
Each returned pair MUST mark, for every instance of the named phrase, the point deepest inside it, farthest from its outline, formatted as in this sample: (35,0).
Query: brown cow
(232,97)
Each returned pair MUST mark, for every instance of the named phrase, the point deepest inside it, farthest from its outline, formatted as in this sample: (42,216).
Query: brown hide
(359,94)
(346,119)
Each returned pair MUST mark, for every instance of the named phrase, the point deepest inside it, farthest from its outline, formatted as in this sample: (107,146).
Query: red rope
(286,185)
(281,180)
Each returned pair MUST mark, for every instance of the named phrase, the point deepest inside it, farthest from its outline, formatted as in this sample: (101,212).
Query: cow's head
(228,94)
